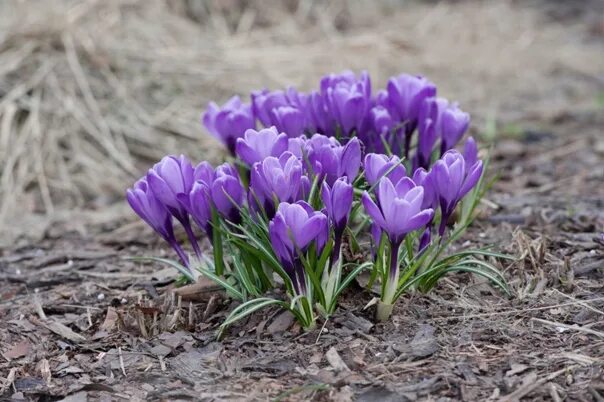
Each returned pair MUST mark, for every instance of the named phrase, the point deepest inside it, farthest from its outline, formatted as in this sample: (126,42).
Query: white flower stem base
(384,311)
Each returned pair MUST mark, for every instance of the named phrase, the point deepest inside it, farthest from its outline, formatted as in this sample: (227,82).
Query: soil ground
(80,322)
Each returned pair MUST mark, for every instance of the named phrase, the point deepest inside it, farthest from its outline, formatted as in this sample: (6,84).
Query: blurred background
(93,92)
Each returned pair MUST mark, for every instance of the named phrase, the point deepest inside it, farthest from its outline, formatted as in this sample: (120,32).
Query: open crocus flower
(154,213)
(257,145)
(400,208)
(379,165)
(330,160)
(276,179)
(229,122)
(453,179)
(293,229)
(347,99)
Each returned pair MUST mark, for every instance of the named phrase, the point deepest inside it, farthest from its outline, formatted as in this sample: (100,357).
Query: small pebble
(101,296)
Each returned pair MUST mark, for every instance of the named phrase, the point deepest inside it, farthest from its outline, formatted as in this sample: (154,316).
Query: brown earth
(91,93)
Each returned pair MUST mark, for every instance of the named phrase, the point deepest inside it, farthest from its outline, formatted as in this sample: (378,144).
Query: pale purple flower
(330,160)
(292,231)
(398,210)
(453,179)
(379,165)
(229,122)
(257,145)
(154,213)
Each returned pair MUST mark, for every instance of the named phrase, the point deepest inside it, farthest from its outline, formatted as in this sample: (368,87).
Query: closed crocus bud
(227,192)
(453,179)
(423,178)
(289,119)
(347,99)
(199,205)
(229,122)
(318,115)
(406,94)
(425,143)
(168,178)
(338,202)
(381,120)
(330,160)
(293,229)
(263,102)
(257,145)
(378,165)
(454,123)
(470,151)
(275,179)
(154,213)
(400,208)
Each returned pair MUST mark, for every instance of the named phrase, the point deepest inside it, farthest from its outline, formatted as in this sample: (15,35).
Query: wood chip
(334,359)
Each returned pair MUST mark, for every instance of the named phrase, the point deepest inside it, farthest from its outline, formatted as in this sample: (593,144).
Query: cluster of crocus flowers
(309,162)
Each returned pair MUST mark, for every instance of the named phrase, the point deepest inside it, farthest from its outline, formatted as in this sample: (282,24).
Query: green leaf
(174,264)
(249,308)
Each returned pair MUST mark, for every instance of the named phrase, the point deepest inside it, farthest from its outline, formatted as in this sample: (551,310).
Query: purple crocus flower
(423,178)
(220,188)
(297,146)
(470,151)
(257,145)
(229,122)
(338,203)
(227,192)
(398,210)
(287,110)
(347,99)
(276,179)
(292,231)
(289,119)
(151,210)
(330,160)
(264,101)
(406,93)
(453,179)
(454,123)
(427,137)
(167,179)
(377,165)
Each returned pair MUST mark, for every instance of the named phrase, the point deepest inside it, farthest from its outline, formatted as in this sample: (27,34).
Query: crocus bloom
(470,151)
(330,160)
(338,202)
(168,178)
(257,145)
(453,179)
(293,229)
(227,192)
(277,179)
(219,188)
(229,122)
(399,211)
(406,93)
(427,137)
(377,165)
(297,146)
(454,123)
(347,99)
(289,119)
(151,210)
